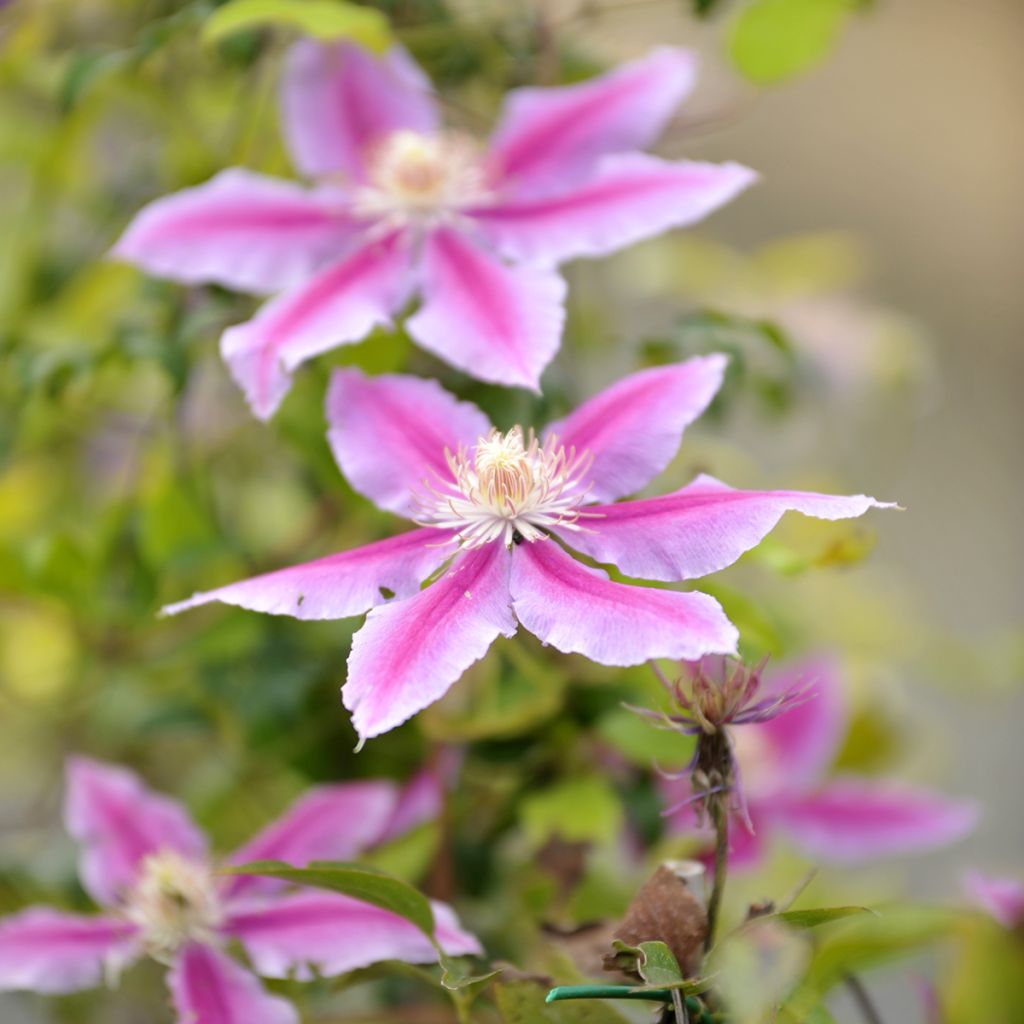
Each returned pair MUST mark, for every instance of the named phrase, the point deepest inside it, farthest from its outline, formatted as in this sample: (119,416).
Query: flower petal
(550,138)
(630,196)
(338,100)
(327,823)
(241,230)
(497,323)
(1003,898)
(49,951)
(339,305)
(410,652)
(419,802)
(851,820)
(335,934)
(701,528)
(803,741)
(580,611)
(207,987)
(633,429)
(118,821)
(389,434)
(337,586)
(746,847)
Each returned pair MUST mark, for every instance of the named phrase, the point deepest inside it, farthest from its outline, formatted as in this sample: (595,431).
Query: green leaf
(577,810)
(357,880)
(818,916)
(775,39)
(324,19)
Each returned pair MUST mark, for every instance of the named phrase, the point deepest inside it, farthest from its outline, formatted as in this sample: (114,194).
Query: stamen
(507,488)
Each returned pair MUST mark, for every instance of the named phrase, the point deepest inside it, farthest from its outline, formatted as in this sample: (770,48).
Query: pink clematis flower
(1003,898)
(494,503)
(145,861)
(784,761)
(404,206)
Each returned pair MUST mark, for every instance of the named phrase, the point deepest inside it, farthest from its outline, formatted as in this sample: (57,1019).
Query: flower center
(174,902)
(507,488)
(416,177)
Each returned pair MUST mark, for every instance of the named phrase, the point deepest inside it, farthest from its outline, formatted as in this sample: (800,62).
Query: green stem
(720,818)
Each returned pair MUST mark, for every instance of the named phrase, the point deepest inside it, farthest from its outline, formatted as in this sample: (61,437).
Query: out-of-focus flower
(1003,898)
(403,206)
(145,861)
(784,763)
(487,498)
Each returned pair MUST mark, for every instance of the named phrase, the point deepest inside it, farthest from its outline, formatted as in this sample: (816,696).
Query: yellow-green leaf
(324,19)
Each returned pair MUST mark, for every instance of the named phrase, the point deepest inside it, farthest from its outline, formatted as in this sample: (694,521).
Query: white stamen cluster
(174,902)
(419,178)
(507,488)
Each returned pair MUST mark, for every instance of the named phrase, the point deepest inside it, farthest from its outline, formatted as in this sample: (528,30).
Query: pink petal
(497,323)
(1003,898)
(802,742)
(339,585)
(49,951)
(335,934)
(851,820)
(338,306)
(327,823)
(549,138)
(338,100)
(746,848)
(633,429)
(209,988)
(419,802)
(410,652)
(239,229)
(580,611)
(118,822)
(389,434)
(700,529)
(630,196)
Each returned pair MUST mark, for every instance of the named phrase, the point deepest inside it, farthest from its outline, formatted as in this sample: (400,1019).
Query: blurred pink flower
(1003,898)
(403,206)
(146,862)
(784,764)
(486,498)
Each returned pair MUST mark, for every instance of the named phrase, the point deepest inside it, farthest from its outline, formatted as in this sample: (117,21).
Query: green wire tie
(696,1009)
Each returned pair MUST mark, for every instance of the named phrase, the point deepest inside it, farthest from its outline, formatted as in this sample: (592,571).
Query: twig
(862,999)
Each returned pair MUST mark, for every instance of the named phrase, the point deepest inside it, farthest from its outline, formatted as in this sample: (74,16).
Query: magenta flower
(145,861)
(492,502)
(784,761)
(1003,898)
(403,206)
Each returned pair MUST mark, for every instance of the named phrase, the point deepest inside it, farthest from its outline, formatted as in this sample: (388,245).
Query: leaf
(323,19)
(813,918)
(577,810)
(656,964)
(356,880)
(775,39)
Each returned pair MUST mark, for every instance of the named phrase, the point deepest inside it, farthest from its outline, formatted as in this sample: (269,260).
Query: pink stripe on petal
(419,801)
(1003,898)
(338,100)
(851,820)
(579,610)
(548,139)
(634,428)
(209,988)
(409,653)
(327,823)
(631,196)
(241,230)
(338,306)
(335,934)
(49,951)
(701,528)
(339,585)
(497,323)
(118,822)
(389,434)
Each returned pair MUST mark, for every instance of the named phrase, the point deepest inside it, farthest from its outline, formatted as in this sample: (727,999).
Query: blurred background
(867,291)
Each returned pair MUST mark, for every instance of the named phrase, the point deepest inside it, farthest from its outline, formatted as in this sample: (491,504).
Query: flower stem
(863,999)
(720,819)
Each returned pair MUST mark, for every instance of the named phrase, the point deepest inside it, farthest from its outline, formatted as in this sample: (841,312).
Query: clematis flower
(784,763)
(404,206)
(147,864)
(500,506)
(1002,898)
